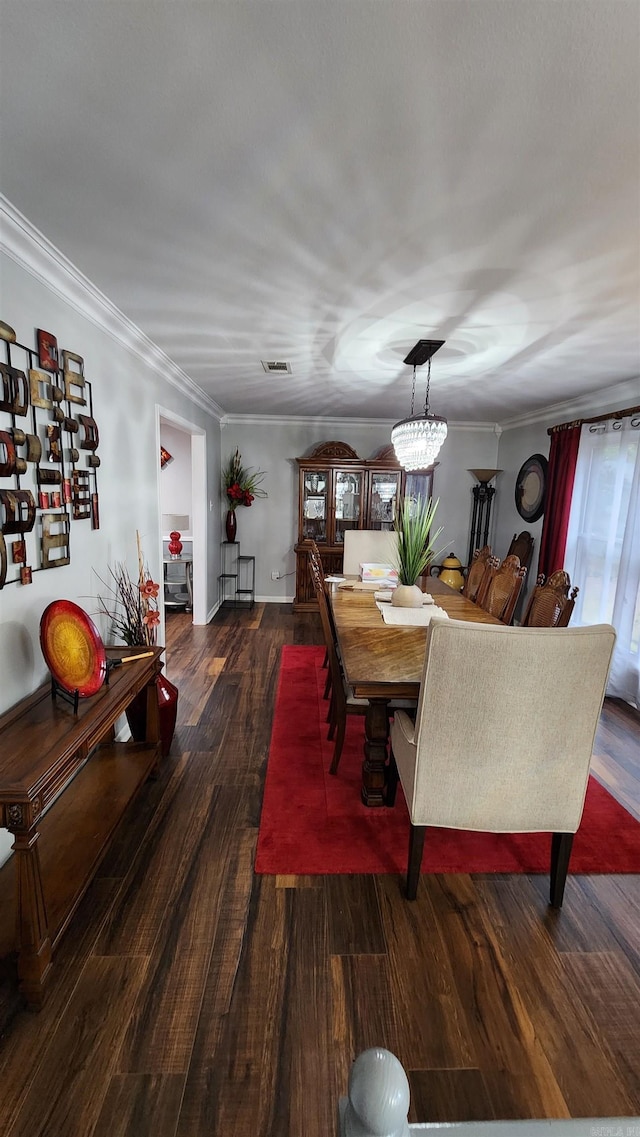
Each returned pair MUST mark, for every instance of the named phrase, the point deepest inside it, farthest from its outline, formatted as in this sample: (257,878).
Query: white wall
(175,479)
(268,529)
(521,441)
(126,390)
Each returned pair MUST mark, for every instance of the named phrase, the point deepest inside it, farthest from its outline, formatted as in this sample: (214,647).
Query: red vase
(167,711)
(175,544)
(231,525)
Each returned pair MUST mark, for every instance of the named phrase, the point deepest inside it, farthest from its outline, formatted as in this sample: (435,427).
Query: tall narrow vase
(167,709)
(231,524)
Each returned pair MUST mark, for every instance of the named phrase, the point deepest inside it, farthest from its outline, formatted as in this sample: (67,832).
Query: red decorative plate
(72,648)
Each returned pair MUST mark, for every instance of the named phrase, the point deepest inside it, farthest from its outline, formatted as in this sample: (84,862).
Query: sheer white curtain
(603,543)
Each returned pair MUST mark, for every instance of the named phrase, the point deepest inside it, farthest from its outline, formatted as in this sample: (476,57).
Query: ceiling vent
(276,365)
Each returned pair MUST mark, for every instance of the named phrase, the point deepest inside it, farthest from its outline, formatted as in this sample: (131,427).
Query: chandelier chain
(413,389)
(426,400)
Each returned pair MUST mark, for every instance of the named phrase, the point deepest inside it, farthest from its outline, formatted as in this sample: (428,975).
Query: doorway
(182,501)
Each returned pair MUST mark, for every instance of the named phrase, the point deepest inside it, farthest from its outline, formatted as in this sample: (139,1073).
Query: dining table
(384,662)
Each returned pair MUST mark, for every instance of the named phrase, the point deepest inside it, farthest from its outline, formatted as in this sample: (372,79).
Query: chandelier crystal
(417,440)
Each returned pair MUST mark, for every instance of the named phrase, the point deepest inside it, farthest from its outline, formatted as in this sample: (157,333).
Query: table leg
(32,933)
(376,731)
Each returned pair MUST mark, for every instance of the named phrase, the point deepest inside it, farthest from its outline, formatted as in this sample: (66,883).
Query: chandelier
(417,440)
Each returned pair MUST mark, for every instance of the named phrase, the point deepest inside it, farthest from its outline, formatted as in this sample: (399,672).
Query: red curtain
(560,477)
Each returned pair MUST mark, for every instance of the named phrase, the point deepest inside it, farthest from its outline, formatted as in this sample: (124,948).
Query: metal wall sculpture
(48,459)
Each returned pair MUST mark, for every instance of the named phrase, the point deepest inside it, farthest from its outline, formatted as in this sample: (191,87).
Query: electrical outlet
(275,575)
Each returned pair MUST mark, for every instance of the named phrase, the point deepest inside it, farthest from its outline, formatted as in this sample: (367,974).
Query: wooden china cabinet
(338,491)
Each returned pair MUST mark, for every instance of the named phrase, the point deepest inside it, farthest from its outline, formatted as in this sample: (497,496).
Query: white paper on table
(408,616)
(334,579)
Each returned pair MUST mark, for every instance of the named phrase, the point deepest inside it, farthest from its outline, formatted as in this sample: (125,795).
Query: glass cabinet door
(314,505)
(419,484)
(347,504)
(383,500)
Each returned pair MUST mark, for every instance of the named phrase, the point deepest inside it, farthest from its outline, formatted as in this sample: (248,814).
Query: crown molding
(30,249)
(320,420)
(608,398)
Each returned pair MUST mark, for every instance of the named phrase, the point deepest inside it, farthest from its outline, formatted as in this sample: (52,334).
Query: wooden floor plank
(606,982)
(164,1019)
(564,1026)
(442,1095)
(435,1031)
(140,1105)
(355,924)
(232,1088)
(503,1035)
(78,1061)
(23,1047)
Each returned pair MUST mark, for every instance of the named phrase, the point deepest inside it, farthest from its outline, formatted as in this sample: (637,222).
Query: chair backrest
(500,596)
(505,725)
(379,546)
(551,603)
(326,618)
(476,572)
(521,547)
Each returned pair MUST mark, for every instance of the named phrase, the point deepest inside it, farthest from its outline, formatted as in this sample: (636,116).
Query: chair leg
(327,686)
(392,780)
(416,846)
(560,853)
(331,717)
(325,661)
(337,750)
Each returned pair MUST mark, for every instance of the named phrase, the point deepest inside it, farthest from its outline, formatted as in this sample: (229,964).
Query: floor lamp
(481,518)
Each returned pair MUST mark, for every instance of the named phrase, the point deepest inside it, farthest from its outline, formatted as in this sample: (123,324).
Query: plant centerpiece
(240,486)
(416,548)
(132,608)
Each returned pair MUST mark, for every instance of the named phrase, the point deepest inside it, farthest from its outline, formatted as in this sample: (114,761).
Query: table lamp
(174,524)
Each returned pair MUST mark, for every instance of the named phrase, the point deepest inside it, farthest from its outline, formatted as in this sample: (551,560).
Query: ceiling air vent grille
(276,365)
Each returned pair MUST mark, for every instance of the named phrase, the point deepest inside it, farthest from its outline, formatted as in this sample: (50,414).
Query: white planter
(407,596)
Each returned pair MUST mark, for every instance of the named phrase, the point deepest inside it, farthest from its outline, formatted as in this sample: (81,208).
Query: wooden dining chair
(500,589)
(343,701)
(552,602)
(315,552)
(521,547)
(476,573)
(506,748)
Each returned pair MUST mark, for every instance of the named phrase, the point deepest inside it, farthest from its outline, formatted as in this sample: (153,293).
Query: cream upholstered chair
(379,546)
(503,734)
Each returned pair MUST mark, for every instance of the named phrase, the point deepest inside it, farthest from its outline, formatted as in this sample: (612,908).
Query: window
(603,542)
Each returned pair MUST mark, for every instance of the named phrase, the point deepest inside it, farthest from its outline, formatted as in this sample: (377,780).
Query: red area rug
(314,823)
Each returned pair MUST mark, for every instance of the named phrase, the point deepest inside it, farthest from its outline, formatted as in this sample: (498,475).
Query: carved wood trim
(332,450)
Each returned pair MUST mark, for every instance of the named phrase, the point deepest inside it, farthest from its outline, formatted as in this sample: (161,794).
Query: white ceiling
(327,181)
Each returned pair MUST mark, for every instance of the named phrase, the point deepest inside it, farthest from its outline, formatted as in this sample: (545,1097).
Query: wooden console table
(63,779)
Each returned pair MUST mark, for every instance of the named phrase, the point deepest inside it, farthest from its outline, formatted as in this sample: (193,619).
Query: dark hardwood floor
(193,999)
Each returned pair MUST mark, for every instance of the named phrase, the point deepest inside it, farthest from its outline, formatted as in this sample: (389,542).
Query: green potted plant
(416,548)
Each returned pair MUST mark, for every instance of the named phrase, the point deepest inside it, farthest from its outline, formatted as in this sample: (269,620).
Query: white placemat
(411,616)
(386,594)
